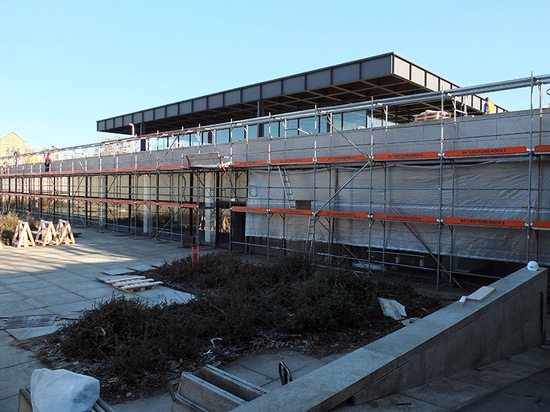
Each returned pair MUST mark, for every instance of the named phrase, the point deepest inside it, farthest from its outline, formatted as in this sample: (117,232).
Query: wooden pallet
(131,284)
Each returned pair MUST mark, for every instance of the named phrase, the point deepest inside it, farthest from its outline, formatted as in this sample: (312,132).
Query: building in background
(378,164)
(11,143)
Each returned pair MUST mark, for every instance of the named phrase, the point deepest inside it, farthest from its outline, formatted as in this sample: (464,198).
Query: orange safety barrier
(542,148)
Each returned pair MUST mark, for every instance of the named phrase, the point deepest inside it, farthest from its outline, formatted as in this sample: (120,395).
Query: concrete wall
(508,322)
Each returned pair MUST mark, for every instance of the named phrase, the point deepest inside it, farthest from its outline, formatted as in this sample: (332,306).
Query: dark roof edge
(391,54)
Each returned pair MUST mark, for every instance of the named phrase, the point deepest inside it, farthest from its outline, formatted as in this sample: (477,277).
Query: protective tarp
(488,190)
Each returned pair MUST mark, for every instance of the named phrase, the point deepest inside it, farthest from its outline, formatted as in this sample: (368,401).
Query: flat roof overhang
(379,77)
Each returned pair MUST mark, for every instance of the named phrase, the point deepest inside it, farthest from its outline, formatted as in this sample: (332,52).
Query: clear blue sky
(66,64)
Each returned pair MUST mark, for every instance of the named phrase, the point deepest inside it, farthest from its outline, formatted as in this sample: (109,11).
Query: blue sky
(66,64)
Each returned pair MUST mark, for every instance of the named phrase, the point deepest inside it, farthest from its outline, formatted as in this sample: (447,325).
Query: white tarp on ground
(489,190)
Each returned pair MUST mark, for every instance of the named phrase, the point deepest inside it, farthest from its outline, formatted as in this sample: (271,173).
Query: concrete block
(208,396)
(230,383)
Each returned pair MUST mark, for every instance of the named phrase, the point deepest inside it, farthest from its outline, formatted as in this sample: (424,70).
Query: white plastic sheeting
(487,190)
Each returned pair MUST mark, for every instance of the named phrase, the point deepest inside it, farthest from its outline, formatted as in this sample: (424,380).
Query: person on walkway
(16,156)
(488,106)
(47,163)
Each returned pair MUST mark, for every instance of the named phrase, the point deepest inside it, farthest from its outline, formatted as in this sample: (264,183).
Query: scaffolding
(440,194)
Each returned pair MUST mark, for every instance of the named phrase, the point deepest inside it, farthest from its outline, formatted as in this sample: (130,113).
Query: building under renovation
(378,164)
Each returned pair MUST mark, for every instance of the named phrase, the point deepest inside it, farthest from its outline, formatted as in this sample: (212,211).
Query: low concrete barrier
(212,389)
(455,338)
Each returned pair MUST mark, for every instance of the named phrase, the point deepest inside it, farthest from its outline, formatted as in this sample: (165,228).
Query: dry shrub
(126,343)
(8,225)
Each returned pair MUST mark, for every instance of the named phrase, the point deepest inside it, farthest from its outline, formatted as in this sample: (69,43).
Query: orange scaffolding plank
(483,222)
(292,161)
(248,163)
(404,218)
(406,155)
(350,215)
(249,209)
(542,148)
(176,204)
(487,151)
(541,224)
(289,211)
(342,159)
(171,167)
(125,201)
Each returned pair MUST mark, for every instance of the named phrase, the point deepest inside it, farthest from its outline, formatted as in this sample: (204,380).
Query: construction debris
(392,308)
(480,294)
(431,115)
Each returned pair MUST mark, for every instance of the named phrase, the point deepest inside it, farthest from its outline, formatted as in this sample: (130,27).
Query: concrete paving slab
(250,375)
(140,267)
(10,354)
(30,333)
(79,284)
(393,403)
(267,362)
(162,402)
(497,375)
(22,287)
(80,273)
(9,296)
(53,296)
(19,376)
(19,307)
(117,271)
(446,393)
(538,357)
(17,278)
(528,395)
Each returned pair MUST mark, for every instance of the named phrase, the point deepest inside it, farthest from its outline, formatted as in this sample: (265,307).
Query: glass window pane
(354,120)
(222,136)
(273,129)
(291,127)
(237,133)
(337,121)
(252,131)
(308,125)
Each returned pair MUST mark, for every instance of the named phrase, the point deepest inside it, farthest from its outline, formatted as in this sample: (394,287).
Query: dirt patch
(241,307)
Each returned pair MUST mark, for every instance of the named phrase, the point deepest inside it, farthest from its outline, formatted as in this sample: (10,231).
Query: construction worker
(488,106)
